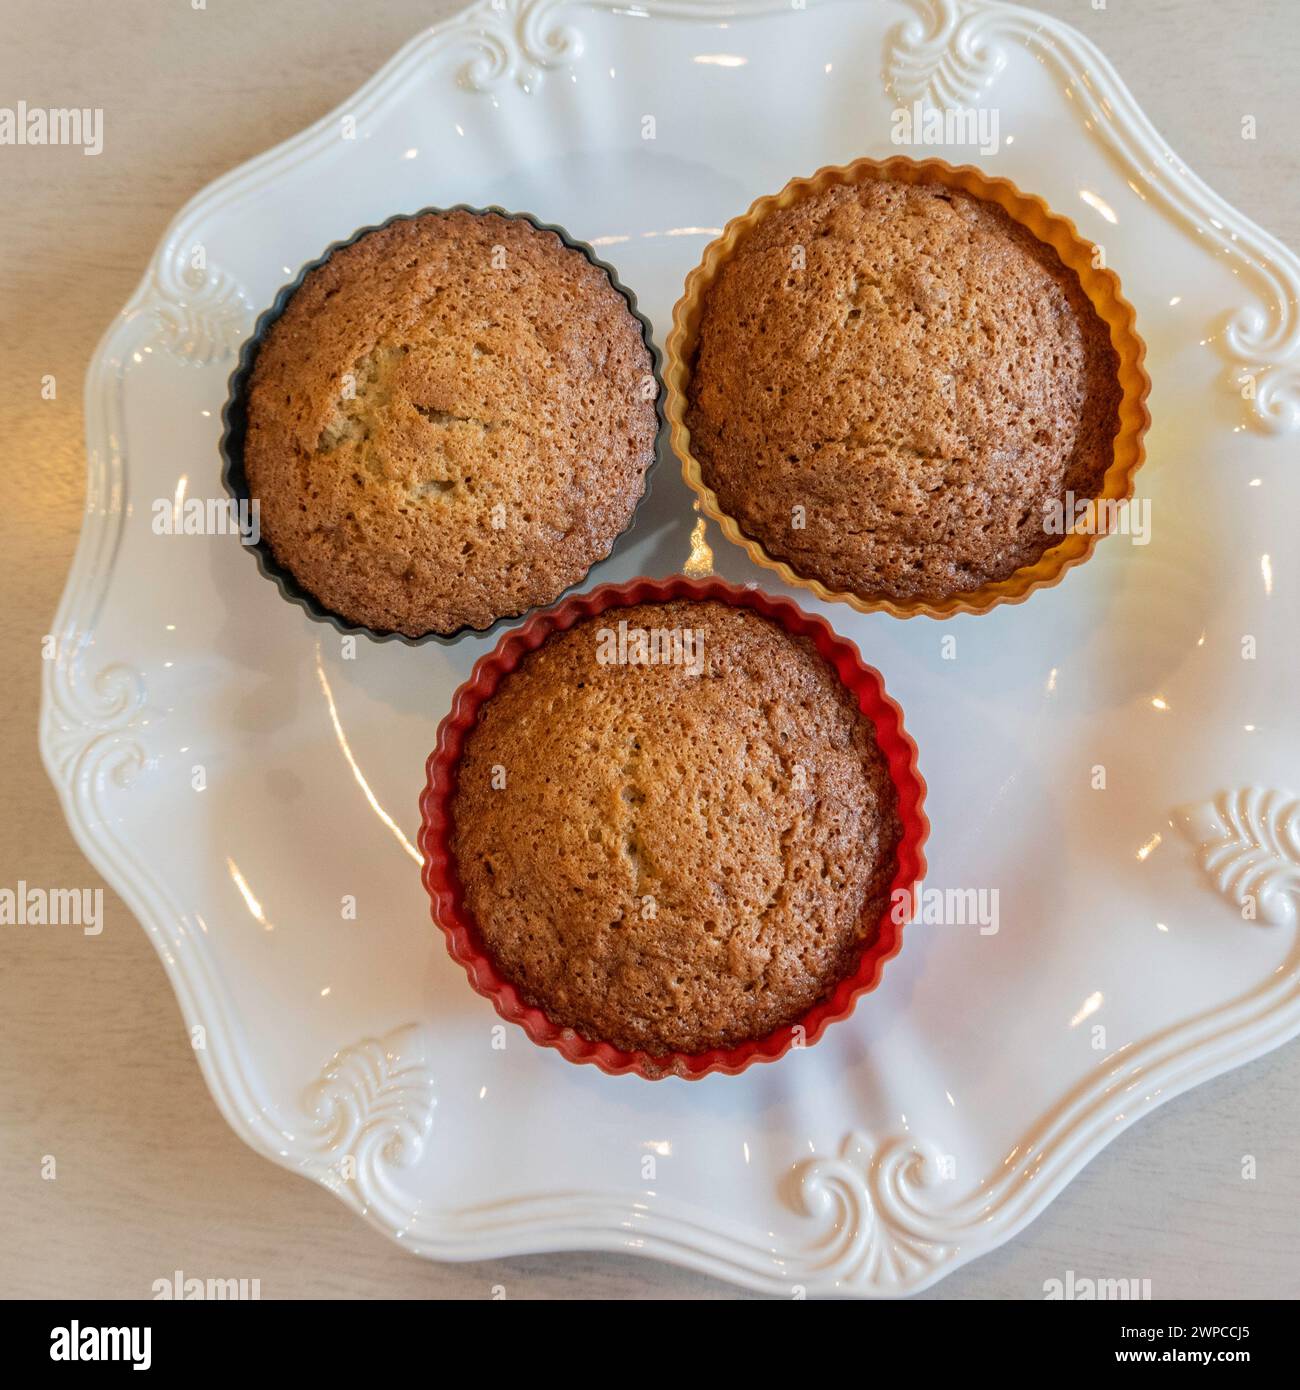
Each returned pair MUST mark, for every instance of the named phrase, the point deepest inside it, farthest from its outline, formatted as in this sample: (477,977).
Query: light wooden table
(95,1068)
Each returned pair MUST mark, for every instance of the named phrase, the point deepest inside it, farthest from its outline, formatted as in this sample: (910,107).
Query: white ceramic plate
(989,1067)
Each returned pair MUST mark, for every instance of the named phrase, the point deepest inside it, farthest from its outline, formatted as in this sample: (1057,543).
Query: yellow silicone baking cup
(1101,286)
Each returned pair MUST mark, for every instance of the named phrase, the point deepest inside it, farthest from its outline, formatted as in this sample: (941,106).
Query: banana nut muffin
(450,423)
(682,853)
(891,385)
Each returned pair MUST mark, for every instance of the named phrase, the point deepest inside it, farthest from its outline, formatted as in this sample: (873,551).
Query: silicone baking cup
(234,419)
(444,888)
(1101,286)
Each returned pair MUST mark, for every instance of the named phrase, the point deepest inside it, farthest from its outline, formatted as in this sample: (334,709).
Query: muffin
(673,827)
(449,422)
(896,389)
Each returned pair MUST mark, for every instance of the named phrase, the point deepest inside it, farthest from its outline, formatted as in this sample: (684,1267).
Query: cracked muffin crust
(450,422)
(681,855)
(891,383)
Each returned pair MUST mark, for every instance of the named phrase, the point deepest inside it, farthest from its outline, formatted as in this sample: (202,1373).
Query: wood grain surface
(95,1067)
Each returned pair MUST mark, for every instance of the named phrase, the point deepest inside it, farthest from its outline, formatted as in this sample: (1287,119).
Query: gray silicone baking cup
(234,419)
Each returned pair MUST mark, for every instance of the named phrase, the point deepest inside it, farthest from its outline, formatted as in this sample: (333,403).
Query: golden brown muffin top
(681,855)
(450,422)
(891,381)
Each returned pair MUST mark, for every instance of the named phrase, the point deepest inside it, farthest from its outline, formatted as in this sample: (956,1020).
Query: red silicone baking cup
(447,898)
